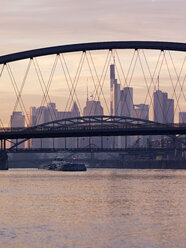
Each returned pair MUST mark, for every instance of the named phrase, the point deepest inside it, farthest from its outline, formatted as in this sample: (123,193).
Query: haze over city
(92,123)
(33,24)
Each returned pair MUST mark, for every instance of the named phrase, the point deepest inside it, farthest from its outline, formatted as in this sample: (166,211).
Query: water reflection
(98,208)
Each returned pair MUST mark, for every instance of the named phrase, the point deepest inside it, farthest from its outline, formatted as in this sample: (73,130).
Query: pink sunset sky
(29,24)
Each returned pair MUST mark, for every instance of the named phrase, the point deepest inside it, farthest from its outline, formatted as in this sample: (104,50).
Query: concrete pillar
(92,159)
(3,160)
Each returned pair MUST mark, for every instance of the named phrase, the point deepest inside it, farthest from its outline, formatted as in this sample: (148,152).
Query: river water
(99,208)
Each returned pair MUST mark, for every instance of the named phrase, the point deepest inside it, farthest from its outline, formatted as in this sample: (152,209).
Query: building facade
(92,108)
(17,119)
(49,113)
(121,103)
(163,107)
(182,117)
(141,111)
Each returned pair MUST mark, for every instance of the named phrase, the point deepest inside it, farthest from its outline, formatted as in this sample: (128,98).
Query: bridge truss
(156,71)
(92,126)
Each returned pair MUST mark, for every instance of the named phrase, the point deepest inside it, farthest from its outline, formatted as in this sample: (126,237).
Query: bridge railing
(85,127)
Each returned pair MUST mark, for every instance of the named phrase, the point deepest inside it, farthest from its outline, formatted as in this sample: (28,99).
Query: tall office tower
(17,119)
(42,115)
(50,114)
(52,111)
(113,81)
(115,103)
(92,108)
(121,105)
(163,107)
(170,111)
(63,142)
(38,116)
(116,99)
(159,98)
(182,120)
(116,110)
(31,143)
(112,75)
(126,100)
(67,142)
(141,111)
(73,142)
(75,110)
(32,117)
(182,117)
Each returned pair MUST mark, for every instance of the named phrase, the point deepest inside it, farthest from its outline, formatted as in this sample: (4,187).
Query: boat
(59,164)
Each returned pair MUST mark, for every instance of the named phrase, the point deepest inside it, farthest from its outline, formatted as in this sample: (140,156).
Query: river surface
(99,208)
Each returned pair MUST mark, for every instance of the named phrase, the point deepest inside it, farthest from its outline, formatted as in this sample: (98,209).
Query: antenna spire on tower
(87,89)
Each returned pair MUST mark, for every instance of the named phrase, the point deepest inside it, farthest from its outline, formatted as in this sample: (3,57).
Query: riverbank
(107,163)
(141,164)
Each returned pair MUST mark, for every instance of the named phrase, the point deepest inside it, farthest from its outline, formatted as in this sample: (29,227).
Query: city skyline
(132,70)
(121,104)
(82,164)
(27,25)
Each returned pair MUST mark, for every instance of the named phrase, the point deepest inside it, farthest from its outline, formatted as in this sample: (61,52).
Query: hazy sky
(30,24)
(27,24)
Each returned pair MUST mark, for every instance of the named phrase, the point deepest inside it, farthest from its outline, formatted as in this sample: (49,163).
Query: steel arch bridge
(95,46)
(83,47)
(91,126)
(98,126)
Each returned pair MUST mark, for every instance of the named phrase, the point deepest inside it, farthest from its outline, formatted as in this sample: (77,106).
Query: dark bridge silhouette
(91,125)
(152,45)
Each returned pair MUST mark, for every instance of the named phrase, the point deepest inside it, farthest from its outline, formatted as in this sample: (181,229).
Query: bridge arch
(83,47)
(152,45)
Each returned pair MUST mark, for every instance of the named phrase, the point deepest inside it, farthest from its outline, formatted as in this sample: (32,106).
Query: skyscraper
(121,103)
(163,107)
(170,111)
(75,110)
(141,111)
(158,106)
(112,83)
(49,113)
(126,99)
(182,117)
(17,119)
(92,108)
(38,116)
(116,99)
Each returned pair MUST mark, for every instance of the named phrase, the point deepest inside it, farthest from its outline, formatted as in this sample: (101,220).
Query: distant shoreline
(125,164)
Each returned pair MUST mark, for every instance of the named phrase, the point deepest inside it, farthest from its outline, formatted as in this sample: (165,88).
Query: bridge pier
(92,159)
(3,160)
(3,156)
